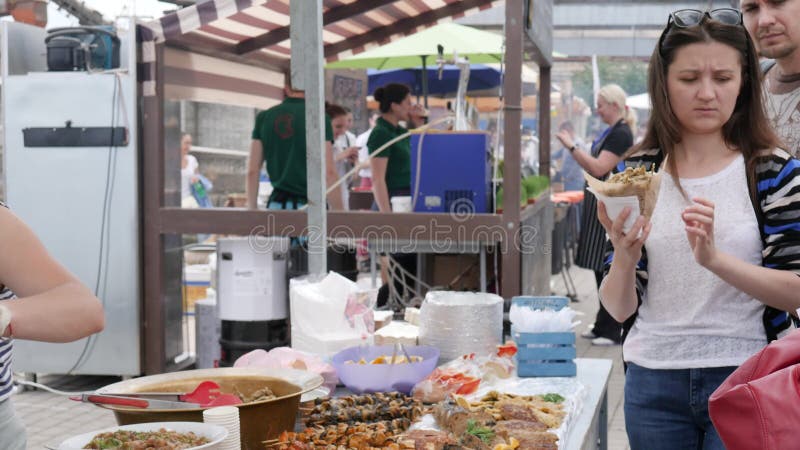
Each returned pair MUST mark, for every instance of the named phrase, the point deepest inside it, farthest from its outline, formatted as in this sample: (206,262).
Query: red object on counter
(572,197)
(205,393)
(508,349)
(457,382)
(102,399)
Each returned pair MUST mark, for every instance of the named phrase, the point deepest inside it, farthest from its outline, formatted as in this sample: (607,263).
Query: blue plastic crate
(544,354)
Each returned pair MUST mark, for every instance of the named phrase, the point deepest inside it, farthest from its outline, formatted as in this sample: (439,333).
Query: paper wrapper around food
(645,191)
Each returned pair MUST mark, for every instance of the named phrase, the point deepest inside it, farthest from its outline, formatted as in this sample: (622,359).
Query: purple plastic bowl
(383,377)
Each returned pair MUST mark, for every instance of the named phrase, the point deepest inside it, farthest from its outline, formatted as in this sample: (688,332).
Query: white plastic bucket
(401,203)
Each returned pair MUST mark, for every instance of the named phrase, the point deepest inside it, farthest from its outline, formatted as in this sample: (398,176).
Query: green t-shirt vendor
(279,140)
(391,168)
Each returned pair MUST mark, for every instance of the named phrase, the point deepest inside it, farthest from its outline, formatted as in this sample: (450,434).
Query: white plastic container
(251,278)
(401,204)
(207,333)
(196,281)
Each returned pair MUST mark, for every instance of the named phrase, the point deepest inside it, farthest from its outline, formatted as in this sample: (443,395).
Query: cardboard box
(458,272)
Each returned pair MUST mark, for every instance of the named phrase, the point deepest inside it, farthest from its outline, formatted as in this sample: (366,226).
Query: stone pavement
(588,304)
(51,418)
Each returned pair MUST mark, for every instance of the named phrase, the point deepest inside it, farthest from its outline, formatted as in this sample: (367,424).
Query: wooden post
(544,120)
(152,144)
(512,109)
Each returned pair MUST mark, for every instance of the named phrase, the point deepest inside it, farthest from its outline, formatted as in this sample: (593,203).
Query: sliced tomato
(509,349)
(469,386)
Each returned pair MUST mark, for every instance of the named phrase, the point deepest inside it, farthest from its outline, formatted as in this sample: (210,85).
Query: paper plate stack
(459,323)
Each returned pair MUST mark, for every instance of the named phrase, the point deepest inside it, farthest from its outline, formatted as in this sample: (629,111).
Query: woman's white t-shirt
(689,317)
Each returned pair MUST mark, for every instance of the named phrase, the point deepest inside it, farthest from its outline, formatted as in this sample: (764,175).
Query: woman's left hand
(699,221)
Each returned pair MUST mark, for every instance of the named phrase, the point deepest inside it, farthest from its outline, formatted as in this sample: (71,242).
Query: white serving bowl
(214,433)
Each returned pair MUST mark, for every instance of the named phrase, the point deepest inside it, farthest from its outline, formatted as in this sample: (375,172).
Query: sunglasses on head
(685,18)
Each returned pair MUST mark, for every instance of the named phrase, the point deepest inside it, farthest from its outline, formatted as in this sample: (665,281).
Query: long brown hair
(747,130)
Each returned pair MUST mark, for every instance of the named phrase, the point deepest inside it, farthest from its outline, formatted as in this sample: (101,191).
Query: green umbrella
(479,46)
(413,51)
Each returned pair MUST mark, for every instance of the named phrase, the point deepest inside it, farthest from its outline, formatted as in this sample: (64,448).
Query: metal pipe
(306,33)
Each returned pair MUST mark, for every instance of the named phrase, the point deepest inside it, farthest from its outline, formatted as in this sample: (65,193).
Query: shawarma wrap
(632,182)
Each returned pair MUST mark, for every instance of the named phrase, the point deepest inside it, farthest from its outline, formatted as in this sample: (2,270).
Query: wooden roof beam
(217,49)
(331,16)
(404,25)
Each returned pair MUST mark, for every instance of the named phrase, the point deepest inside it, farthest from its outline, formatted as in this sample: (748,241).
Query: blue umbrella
(480,78)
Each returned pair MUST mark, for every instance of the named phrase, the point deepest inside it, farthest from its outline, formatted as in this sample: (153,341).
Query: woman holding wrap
(704,282)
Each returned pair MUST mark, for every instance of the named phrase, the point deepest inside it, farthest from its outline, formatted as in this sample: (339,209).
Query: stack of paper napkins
(397,333)
(329,314)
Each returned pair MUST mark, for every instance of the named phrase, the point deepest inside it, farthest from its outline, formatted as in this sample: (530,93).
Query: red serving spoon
(206,394)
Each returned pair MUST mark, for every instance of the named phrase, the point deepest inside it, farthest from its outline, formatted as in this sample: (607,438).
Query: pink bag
(285,357)
(758,406)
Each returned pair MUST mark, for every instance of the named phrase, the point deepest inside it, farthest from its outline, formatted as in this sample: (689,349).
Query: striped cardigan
(6,346)
(6,380)
(778,212)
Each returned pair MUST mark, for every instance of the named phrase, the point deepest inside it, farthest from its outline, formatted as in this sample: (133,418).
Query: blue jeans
(668,409)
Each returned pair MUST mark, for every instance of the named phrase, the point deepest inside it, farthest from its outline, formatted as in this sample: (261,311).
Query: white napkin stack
(227,417)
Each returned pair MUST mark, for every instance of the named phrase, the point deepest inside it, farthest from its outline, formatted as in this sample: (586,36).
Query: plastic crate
(544,354)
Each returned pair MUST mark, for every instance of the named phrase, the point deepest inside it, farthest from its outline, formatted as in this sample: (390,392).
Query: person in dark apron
(598,161)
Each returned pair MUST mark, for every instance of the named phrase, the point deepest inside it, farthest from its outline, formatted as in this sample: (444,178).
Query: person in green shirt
(279,140)
(391,168)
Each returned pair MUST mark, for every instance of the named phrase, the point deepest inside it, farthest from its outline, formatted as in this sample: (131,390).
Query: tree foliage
(631,76)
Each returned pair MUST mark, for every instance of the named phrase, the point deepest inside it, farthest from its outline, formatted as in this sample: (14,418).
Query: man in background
(774,26)
(279,140)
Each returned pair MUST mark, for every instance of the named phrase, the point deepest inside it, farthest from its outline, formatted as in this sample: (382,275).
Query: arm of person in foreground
(379,188)
(773,287)
(254,163)
(335,196)
(52,305)
(621,290)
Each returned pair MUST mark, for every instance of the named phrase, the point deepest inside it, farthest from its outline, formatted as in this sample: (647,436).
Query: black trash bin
(238,338)
(341,259)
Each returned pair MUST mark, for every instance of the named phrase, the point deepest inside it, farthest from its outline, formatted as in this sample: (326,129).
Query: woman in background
(391,169)
(604,154)
(345,151)
(190,170)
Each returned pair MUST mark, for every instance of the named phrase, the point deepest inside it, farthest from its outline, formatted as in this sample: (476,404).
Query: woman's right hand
(349,154)
(627,246)
(352,154)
